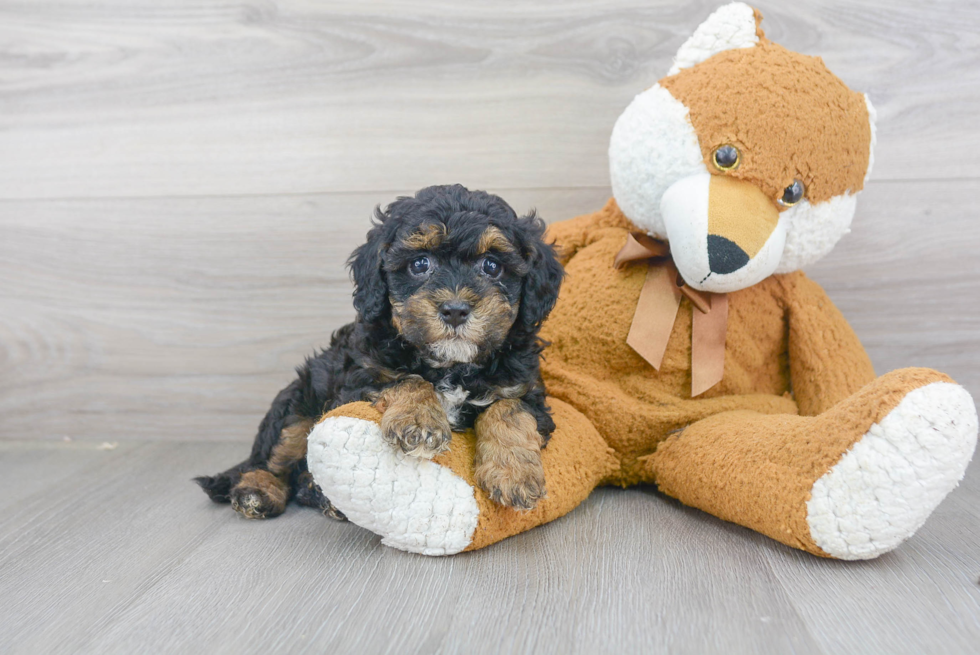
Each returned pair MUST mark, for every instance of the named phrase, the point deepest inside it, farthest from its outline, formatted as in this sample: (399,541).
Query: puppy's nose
(455,312)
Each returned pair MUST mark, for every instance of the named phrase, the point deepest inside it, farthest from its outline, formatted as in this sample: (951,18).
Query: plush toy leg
(851,483)
(434,507)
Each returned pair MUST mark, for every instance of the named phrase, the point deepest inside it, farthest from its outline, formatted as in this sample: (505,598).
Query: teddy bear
(687,349)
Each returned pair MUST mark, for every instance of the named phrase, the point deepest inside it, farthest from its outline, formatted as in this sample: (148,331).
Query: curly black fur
(370,354)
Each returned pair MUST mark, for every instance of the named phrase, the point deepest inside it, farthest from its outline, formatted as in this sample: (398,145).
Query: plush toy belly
(633,405)
(588,331)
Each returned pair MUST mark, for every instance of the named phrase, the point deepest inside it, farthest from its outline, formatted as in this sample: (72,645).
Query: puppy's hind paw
(308,493)
(259,495)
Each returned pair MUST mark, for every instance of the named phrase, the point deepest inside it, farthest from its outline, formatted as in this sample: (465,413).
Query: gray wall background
(181,182)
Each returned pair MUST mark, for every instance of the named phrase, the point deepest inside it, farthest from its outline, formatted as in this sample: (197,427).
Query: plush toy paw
(513,479)
(413,504)
(420,430)
(886,486)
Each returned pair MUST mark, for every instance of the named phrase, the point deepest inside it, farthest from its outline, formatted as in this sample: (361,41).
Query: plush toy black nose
(455,312)
(724,255)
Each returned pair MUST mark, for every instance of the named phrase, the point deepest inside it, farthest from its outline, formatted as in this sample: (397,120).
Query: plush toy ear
(732,26)
(543,280)
(370,286)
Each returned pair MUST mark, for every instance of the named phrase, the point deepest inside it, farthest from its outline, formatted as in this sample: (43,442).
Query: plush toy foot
(886,486)
(851,483)
(435,507)
(414,504)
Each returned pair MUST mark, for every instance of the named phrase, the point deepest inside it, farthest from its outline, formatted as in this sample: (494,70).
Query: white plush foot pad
(414,504)
(886,486)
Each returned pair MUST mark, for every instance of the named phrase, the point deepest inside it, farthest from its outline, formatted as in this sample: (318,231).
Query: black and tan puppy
(450,291)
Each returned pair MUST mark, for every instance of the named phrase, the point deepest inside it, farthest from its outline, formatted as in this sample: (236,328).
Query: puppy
(450,291)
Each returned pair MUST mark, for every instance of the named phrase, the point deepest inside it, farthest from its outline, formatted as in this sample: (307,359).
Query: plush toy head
(746,158)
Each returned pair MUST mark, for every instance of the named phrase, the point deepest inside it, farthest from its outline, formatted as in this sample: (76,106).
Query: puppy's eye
(419,266)
(792,194)
(492,268)
(726,158)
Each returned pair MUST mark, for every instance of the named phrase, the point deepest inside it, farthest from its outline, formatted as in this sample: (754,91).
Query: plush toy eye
(419,266)
(726,158)
(492,268)
(792,194)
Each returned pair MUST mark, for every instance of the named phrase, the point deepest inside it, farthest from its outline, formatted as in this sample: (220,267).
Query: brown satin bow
(656,311)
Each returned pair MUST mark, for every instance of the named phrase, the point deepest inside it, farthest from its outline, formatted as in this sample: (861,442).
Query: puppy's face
(457,268)
(455,290)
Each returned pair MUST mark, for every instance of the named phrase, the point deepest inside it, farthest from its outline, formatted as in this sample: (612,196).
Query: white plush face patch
(653,145)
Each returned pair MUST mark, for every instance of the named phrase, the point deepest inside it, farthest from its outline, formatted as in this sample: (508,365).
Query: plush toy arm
(827,362)
(572,235)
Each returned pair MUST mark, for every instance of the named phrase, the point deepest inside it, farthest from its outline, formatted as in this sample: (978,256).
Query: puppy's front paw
(514,478)
(421,431)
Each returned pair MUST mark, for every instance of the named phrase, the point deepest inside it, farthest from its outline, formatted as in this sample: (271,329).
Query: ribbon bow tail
(656,312)
(708,344)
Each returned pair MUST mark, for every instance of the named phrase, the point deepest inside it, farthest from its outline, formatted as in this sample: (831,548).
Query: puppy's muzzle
(455,312)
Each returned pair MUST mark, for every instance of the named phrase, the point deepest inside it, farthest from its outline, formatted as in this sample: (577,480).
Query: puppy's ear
(543,279)
(370,286)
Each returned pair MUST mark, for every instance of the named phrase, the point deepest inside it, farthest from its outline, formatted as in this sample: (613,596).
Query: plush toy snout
(725,234)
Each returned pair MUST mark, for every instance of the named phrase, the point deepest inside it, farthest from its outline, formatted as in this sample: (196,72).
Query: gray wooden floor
(180,184)
(112,551)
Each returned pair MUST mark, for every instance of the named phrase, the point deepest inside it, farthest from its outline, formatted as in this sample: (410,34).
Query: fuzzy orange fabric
(783,326)
(758,470)
(824,142)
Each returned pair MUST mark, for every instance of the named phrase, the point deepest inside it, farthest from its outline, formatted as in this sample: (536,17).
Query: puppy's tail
(218,487)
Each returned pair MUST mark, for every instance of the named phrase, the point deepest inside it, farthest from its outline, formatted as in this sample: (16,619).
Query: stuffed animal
(687,349)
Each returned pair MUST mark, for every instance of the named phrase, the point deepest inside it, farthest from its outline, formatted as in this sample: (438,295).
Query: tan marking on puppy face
(290,449)
(789,117)
(493,239)
(397,308)
(508,455)
(427,237)
(491,317)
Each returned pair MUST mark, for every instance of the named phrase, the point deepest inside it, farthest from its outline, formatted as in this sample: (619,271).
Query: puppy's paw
(421,431)
(308,493)
(513,478)
(259,495)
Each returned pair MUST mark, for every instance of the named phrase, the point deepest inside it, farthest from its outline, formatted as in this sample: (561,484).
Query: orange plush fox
(687,348)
